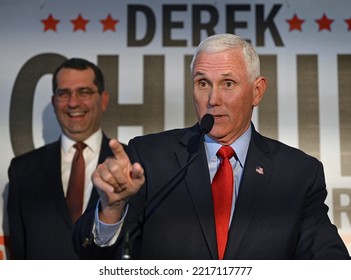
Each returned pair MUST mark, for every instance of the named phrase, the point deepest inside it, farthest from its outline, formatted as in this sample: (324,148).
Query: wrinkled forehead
(224,62)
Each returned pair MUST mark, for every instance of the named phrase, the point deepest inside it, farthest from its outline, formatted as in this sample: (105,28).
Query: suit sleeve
(17,232)
(83,240)
(319,238)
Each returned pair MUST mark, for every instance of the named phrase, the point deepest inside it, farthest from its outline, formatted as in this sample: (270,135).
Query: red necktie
(222,193)
(75,191)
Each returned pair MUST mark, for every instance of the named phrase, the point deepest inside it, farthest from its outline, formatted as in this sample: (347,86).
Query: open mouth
(75,114)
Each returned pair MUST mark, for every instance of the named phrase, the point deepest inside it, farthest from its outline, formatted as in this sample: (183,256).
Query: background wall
(144,49)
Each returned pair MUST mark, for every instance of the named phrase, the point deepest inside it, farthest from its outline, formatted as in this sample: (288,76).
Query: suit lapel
(257,170)
(52,168)
(197,179)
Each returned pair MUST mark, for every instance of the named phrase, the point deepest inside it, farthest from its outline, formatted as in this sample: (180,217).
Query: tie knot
(80,146)
(225,152)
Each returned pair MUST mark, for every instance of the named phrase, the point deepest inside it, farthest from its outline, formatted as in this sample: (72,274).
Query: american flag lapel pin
(259,170)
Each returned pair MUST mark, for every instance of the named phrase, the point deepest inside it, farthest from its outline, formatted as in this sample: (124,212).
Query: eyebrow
(198,73)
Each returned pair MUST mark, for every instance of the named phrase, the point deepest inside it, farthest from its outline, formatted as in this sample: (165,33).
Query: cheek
(201,103)
(200,97)
(59,110)
(236,108)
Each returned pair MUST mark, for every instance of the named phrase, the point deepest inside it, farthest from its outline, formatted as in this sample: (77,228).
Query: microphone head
(206,123)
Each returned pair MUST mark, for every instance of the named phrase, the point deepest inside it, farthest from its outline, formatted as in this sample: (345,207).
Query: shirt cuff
(107,234)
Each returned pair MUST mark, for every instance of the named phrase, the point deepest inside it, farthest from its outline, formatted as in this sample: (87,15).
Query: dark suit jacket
(279,214)
(39,220)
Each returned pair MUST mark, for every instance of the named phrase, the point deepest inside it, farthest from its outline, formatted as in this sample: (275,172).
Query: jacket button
(86,243)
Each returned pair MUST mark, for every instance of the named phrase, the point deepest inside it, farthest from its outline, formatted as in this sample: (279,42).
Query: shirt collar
(93,142)
(240,146)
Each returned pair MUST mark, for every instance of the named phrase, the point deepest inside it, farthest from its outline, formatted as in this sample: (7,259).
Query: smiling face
(223,89)
(78,118)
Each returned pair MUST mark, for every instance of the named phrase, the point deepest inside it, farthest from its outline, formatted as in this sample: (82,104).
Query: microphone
(206,124)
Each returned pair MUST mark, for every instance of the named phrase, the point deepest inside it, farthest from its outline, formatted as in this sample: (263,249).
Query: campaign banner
(144,49)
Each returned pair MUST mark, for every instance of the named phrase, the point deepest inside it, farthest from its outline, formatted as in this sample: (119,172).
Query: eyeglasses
(83,94)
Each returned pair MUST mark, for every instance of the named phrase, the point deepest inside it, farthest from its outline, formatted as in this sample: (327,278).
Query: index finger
(117,149)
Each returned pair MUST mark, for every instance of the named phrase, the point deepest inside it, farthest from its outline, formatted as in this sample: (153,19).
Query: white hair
(223,42)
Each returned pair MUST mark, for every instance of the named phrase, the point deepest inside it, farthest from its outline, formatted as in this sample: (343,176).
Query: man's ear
(259,88)
(105,98)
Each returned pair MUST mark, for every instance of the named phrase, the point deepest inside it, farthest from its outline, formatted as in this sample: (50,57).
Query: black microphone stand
(206,125)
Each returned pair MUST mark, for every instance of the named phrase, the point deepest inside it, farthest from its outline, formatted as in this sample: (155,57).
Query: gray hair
(223,42)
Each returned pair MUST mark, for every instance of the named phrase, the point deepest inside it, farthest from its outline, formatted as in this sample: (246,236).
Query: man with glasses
(40,217)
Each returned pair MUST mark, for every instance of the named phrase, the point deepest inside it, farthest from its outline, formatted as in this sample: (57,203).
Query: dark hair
(80,64)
